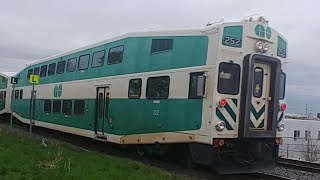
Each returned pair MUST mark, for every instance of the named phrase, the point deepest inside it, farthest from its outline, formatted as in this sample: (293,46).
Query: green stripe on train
(188,51)
(129,116)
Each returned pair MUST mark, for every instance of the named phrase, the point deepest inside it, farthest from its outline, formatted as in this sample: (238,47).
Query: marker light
(265,47)
(220,126)
(280,127)
(222,102)
(283,107)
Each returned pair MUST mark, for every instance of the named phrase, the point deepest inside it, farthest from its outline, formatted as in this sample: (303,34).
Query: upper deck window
(60,67)
(52,69)
(228,78)
(30,72)
(282,85)
(43,71)
(36,71)
(83,62)
(98,59)
(160,45)
(115,55)
(71,65)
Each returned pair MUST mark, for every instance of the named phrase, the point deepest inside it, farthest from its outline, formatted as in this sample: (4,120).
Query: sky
(34,29)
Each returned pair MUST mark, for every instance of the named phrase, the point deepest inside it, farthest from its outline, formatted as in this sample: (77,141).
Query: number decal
(231,41)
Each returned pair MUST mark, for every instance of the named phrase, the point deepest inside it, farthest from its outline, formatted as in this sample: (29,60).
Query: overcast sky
(33,29)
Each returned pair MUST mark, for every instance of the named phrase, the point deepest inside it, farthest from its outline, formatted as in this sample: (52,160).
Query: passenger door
(260,97)
(102,109)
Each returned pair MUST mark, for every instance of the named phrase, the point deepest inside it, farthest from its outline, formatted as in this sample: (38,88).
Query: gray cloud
(34,29)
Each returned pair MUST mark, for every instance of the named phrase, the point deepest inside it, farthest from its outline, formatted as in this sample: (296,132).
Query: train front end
(249,98)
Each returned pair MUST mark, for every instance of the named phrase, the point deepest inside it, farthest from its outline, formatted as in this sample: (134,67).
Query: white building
(301,140)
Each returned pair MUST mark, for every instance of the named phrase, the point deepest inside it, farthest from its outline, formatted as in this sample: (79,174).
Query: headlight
(265,47)
(280,127)
(220,126)
(259,46)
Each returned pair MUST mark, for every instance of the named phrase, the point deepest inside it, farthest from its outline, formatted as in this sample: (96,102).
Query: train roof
(7,74)
(176,32)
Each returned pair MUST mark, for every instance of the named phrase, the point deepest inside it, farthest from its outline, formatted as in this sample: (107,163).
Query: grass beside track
(24,157)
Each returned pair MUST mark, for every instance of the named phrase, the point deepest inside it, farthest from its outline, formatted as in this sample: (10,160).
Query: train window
(83,62)
(47,106)
(43,71)
(16,94)
(30,72)
(134,91)
(21,94)
(197,84)
(67,107)
(3,79)
(296,134)
(71,65)
(282,85)
(158,87)
(229,78)
(4,95)
(52,69)
(56,106)
(1,95)
(115,55)
(257,82)
(79,107)
(98,59)
(60,67)
(36,71)
(161,45)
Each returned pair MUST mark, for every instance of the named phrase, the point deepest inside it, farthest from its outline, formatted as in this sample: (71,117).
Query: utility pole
(306,115)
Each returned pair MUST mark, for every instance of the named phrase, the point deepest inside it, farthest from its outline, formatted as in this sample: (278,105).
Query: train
(213,96)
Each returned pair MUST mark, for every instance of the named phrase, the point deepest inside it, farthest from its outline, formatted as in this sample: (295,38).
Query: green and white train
(215,95)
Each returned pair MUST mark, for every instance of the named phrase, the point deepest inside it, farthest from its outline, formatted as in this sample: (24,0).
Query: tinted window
(4,94)
(229,78)
(134,91)
(83,62)
(115,55)
(43,71)
(52,69)
(30,72)
(282,85)
(56,106)
(16,94)
(47,106)
(159,45)
(21,94)
(196,85)
(98,59)
(1,95)
(79,107)
(67,107)
(258,82)
(36,71)
(71,65)
(60,67)
(158,87)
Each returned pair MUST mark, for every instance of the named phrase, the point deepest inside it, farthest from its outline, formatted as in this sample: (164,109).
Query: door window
(258,82)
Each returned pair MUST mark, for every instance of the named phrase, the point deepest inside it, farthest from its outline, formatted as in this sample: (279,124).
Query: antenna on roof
(217,22)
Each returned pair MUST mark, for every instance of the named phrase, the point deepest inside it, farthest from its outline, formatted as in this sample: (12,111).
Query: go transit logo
(263,32)
(57,91)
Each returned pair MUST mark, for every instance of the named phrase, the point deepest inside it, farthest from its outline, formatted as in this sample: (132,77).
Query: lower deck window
(47,106)
(134,91)
(79,106)
(228,78)
(158,87)
(56,106)
(197,85)
(67,107)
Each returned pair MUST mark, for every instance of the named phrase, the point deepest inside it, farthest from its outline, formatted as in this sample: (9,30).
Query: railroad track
(111,149)
(301,165)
